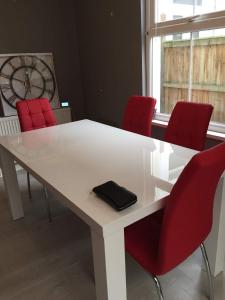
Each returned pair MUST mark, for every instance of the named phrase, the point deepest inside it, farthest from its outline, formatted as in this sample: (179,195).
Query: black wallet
(115,195)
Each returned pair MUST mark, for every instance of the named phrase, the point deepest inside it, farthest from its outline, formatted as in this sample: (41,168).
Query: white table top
(73,158)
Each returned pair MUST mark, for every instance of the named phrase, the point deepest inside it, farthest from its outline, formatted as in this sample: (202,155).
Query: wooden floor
(53,261)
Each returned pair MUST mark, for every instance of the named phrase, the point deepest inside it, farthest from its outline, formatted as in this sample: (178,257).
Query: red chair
(166,238)
(138,115)
(35,114)
(188,124)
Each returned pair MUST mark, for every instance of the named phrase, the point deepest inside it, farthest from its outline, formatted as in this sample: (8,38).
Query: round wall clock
(26,77)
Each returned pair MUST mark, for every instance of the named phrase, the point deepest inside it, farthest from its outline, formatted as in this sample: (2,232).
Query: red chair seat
(144,247)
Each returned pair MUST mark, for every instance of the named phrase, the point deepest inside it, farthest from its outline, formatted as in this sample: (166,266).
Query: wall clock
(27,76)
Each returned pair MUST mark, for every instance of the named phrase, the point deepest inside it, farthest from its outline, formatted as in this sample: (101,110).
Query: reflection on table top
(73,158)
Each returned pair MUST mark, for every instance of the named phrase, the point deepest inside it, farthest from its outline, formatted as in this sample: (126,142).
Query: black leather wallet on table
(115,195)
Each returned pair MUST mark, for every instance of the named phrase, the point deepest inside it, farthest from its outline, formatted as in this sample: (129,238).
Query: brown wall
(45,26)
(109,39)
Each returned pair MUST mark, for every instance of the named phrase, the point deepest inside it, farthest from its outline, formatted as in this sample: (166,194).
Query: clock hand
(36,86)
(19,80)
(27,81)
(32,70)
(27,89)
(27,77)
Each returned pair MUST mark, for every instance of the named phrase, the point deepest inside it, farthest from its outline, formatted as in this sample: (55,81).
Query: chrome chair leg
(47,204)
(28,185)
(207,266)
(158,287)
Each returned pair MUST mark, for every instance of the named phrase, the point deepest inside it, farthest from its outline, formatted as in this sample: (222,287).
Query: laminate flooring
(53,261)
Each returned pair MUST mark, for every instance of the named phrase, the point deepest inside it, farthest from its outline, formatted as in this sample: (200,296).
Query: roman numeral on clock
(5,87)
(12,99)
(22,60)
(48,91)
(49,80)
(34,62)
(12,66)
(4,75)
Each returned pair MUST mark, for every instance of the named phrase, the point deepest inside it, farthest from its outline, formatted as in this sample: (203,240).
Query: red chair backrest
(35,114)
(188,215)
(188,124)
(138,115)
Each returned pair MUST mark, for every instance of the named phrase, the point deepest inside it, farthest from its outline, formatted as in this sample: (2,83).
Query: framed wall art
(27,76)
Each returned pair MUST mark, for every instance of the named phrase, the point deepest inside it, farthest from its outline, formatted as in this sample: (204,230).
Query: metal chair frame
(209,275)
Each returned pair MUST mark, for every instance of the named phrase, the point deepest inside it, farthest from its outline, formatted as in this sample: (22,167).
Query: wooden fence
(207,73)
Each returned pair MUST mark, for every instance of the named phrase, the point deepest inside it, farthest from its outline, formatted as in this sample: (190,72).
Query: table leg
(109,266)
(11,184)
(215,243)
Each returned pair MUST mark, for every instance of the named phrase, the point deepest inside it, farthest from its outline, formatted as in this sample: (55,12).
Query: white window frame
(208,21)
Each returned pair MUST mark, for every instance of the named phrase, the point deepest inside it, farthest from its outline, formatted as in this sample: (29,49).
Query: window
(189,2)
(177,36)
(186,55)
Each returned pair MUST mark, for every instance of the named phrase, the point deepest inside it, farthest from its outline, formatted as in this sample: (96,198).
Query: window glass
(177,36)
(166,9)
(170,71)
(208,71)
(189,2)
(192,69)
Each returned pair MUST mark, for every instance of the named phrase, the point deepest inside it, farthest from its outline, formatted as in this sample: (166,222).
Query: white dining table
(71,159)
